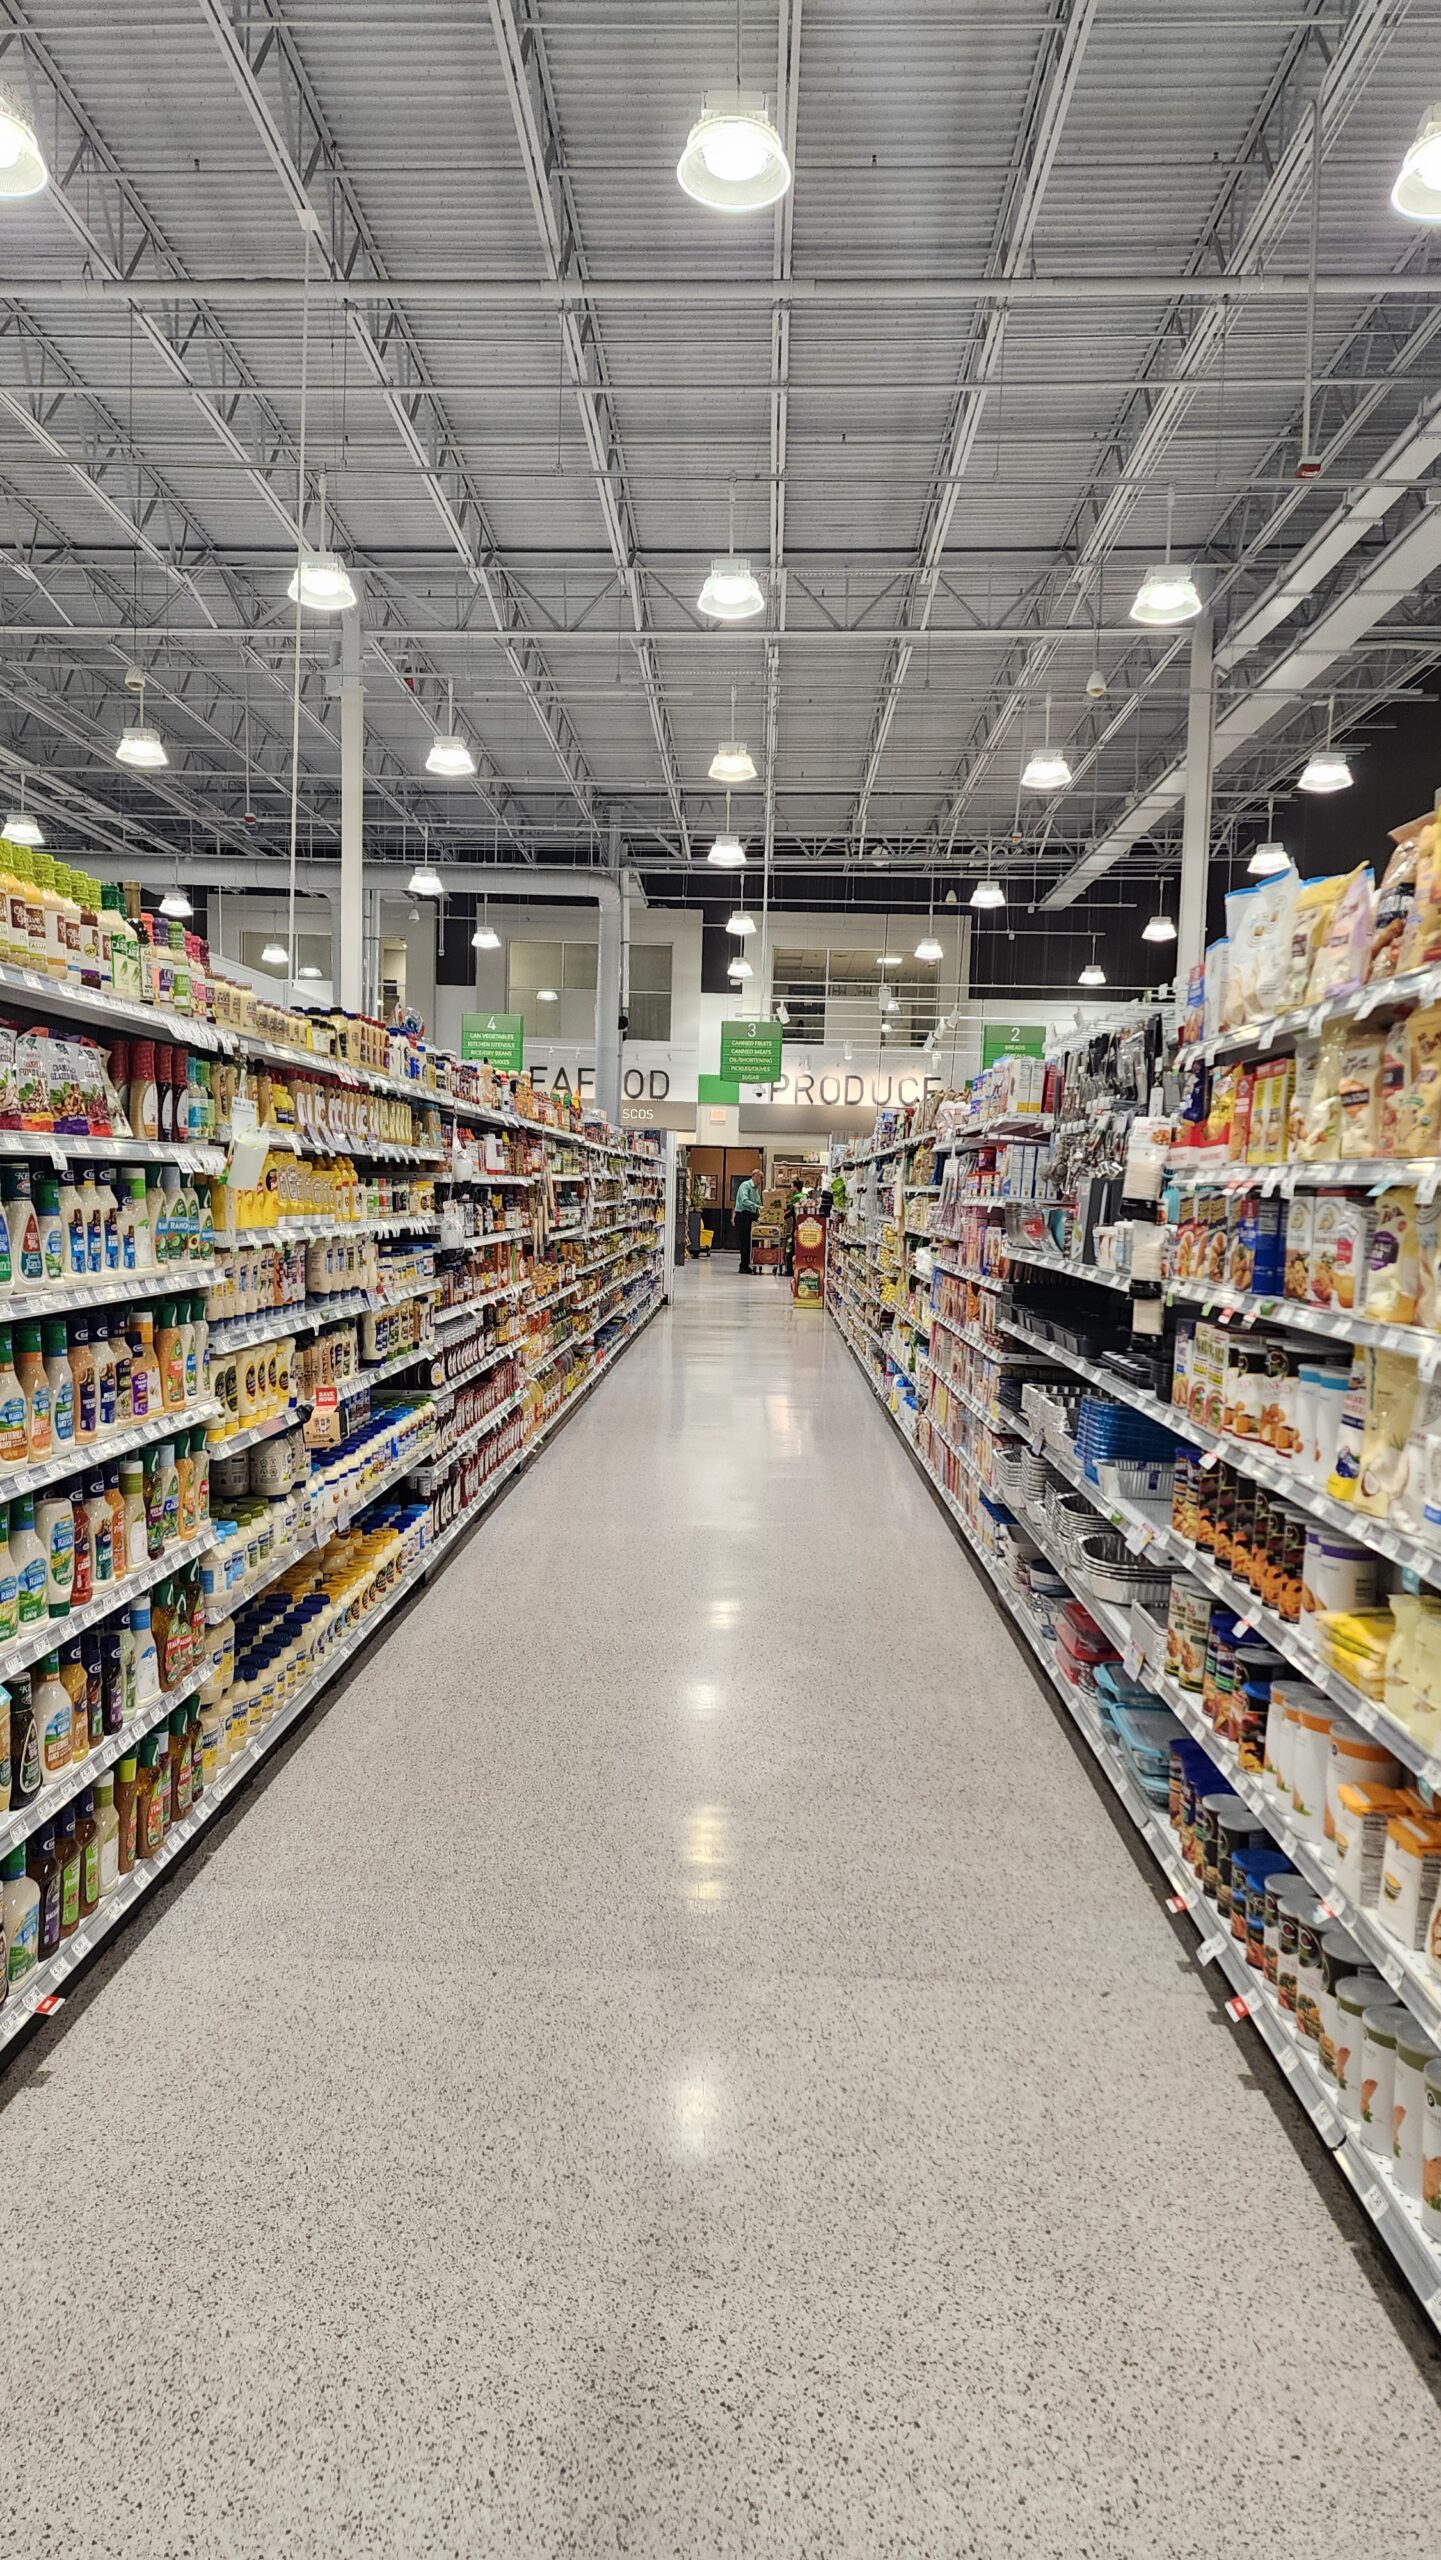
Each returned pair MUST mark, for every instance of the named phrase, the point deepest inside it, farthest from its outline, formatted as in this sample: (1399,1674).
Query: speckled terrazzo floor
(680,2061)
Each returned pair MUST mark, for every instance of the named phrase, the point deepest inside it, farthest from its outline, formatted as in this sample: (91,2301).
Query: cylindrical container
(1355,1994)
(1340,1955)
(1296,1905)
(1237,1829)
(1310,1744)
(1379,2027)
(1262,1870)
(1357,1760)
(1431,2150)
(1212,1806)
(1414,2050)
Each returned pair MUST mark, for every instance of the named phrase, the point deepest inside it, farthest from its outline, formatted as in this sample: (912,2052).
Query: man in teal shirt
(746,1212)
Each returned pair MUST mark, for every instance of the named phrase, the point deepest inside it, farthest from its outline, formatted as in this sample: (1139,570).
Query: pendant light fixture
(728,853)
(1158,928)
(485,938)
(275,956)
(546,995)
(739,968)
(732,591)
(175,903)
(425,881)
(1417,191)
(20,827)
(987,893)
(1326,769)
(928,948)
(734,160)
(321,581)
(450,758)
(1269,857)
(732,761)
(1168,594)
(1093,975)
(141,745)
(1047,769)
(740,922)
(23,170)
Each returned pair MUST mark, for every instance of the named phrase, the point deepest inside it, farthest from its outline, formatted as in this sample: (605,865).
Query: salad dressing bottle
(23,1227)
(14,1420)
(54,1717)
(52,1231)
(30,1561)
(9,1585)
(72,1221)
(107,1838)
(62,1385)
(43,1868)
(84,1385)
(19,1917)
(126,1788)
(27,1770)
(35,1386)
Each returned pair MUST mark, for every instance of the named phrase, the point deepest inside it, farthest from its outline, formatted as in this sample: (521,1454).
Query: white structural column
(608,983)
(352,801)
(1196,812)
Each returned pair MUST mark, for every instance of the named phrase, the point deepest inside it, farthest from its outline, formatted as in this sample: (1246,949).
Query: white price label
(1131,1661)
(1426,1182)
(1211,1459)
(1138,1538)
(1316,1018)
(1267,1035)
(1209,1950)
(1288,1183)
(1429,1357)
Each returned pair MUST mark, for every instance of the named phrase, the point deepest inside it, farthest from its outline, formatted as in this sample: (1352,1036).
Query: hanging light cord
(299,560)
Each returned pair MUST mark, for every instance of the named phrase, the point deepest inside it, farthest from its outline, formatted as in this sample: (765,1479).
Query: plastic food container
(1379,2028)
(1355,1994)
(1414,2054)
(1296,1907)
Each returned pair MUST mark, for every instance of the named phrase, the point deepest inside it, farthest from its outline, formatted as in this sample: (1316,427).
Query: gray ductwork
(269,878)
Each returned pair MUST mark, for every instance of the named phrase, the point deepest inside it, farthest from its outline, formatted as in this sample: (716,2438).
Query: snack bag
(1310,917)
(1300,1223)
(1408,1509)
(1340,1244)
(1241,1111)
(1271,941)
(1395,902)
(1340,961)
(1393,1128)
(1392,1267)
(1223,1105)
(1303,1085)
(1346,1462)
(1428,1246)
(1391,1384)
(1423,1076)
(1421,940)
(1359,1092)
(1215,989)
(1321,1136)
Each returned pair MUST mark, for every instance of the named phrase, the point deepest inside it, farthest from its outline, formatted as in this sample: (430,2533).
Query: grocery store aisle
(679,2059)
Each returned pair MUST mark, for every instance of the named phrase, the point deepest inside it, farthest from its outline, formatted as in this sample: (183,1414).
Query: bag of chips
(1392,1283)
(1395,901)
(1340,963)
(1359,1092)
(1423,1078)
(1309,918)
(1391,1385)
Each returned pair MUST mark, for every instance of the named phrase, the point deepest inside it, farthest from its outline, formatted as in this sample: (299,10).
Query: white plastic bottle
(146,1659)
(137,1243)
(72,1219)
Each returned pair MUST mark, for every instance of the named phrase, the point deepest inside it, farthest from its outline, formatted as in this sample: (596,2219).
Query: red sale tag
(1238,2009)
(48,2003)
(1175,1902)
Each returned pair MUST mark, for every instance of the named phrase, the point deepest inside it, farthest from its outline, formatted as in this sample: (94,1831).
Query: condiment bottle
(170,1352)
(94,1685)
(146,1666)
(124,1373)
(54,1717)
(132,1495)
(149,1798)
(136,1247)
(87,1835)
(145,1396)
(19,1917)
(31,1562)
(43,1868)
(55,1529)
(116,1500)
(72,1674)
(107,1838)
(144,1103)
(62,1385)
(14,1431)
(9,1582)
(109,1213)
(72,1226)
(100,1531)
(94,1224)
(125,1811)
(67,1850)
(26,1265)
(35,1385)
(52,1230)
(84,1385)
(27,1772)
(112,1680)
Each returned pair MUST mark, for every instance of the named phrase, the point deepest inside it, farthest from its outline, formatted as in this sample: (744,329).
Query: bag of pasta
(1395,902)
(1310,915)
(1321,1135)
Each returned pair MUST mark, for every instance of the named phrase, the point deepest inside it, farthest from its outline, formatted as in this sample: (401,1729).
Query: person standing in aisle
(747,1210)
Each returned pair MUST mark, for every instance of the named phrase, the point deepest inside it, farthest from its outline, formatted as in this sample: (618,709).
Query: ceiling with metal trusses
(1044,282)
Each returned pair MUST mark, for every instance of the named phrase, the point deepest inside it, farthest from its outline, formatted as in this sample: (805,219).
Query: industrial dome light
(321,583)
(740,922)
(1093,975)
(1267,860)
(1046,770)
(23,171)
(734,160)
(141,746)
(307,969)
(21,828)
(740,967)
(176,903)
(1417,191)
(485,938)
(451,758)
(727,853)
(732,591)
(1158,928)
(546,995)
(274,956)
(988,893)
(1166,596)
(1325,771)
(732,762)
(425,882)
(928,949)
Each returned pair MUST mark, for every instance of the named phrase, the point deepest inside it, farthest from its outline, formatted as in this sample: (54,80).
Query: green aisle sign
(494,1039)
(717,1089)
(750,1052)
(1012,1040)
